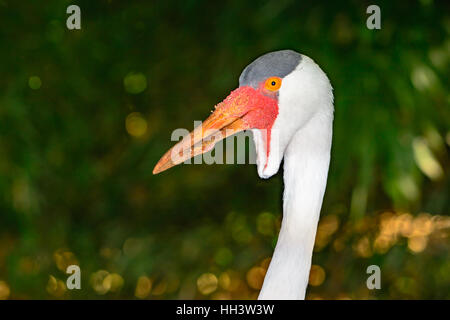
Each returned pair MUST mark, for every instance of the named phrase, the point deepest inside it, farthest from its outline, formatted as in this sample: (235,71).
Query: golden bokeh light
(316,275)
(224,280)
(113,282)
(136,125)
(98,282)
(426,161)
(221,296)
(236,282)
(255,277)
(417,244)
(328,225)
(363,247)
(207,283)
(56,287)
(313,296)
(405,224)
(143,287)
(422,225)
(160,287)
(5,291)
(265,263)
(339,244)
(415,229)
(64,258)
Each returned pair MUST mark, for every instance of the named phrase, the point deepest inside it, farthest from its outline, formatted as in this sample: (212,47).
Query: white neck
(306,163)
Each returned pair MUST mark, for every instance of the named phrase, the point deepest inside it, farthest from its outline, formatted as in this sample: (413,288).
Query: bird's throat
(306,163)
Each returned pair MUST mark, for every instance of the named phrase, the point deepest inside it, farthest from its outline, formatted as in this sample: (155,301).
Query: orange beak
(227,119)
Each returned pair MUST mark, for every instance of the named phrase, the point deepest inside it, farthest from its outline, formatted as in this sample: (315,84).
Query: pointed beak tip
(162,165)
(156,169)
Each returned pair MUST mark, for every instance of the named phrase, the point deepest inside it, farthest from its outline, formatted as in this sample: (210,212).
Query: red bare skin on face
(256,107)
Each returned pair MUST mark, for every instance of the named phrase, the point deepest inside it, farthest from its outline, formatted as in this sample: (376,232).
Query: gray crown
(272,64)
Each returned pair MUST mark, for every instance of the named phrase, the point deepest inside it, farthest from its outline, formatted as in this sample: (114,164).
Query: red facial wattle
(258,109)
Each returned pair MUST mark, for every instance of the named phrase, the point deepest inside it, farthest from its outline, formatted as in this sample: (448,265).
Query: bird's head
(278,94)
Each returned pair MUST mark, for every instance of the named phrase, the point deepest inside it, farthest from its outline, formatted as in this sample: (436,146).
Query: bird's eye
(273,83)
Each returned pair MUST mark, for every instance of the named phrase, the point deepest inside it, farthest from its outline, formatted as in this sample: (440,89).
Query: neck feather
(306,163)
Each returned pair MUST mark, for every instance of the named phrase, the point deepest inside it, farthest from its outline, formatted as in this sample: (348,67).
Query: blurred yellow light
(316,275)
(312,296)
(339,244)
(327,227)
(416,229)
(404,224)
(383,243)
(143,287)
(388,226)
(136,124)
(98,282)
(236,283)
(422,225)
(222,296)
(434,139)
(52,284)
(224,280)
(362,248)
(329,224)
(207,283)
(425,160)
(4,290)
(63,259)
(265,263)
(113,282)
(343,296)
(55,287)
(160,288)
(441,222)
(417,244)
(255,277)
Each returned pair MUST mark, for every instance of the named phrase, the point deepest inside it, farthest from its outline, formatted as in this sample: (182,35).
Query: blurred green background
(86,114)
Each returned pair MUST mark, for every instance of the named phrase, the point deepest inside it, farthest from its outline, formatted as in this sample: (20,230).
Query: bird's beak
(228,118)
